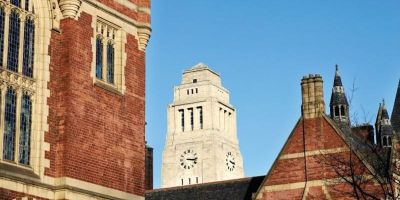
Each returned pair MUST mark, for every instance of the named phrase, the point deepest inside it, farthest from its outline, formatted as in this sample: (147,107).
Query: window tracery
(18,84)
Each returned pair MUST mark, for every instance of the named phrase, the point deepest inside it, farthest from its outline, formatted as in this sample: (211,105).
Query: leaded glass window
(13,42)
(25,129)
(27,5)
(110,63)
(9,124)
(17,72)
(2,21)
(29,42)
(16,2)
(99,58)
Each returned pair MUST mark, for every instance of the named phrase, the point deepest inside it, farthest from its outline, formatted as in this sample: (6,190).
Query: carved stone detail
(144,36)
(69,8)
(17,81)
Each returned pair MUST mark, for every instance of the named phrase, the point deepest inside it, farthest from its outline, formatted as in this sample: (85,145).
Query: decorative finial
(337,67)
(383,102)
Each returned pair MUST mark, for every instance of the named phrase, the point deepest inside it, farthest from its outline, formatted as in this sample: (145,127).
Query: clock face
(230,161)
(188,159)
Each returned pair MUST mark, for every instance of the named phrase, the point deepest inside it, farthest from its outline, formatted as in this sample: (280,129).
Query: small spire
(338,80)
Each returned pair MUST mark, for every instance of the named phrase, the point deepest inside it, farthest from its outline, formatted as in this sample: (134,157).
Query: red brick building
(73,98)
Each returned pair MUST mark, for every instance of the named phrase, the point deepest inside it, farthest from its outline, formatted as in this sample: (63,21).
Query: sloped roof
(237,189)
(396,112)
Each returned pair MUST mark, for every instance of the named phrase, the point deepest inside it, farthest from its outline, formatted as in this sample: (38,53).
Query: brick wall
(95,135)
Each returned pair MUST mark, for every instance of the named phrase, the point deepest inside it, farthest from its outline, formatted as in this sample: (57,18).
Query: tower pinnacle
(339,106)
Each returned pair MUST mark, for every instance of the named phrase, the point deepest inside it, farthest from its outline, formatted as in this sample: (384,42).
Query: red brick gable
(299,170)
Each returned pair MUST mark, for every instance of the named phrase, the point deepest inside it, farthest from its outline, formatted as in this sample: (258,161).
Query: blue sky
(262,49)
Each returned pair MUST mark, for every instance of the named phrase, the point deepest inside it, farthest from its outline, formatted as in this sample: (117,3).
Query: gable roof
(358,145)
(237,189)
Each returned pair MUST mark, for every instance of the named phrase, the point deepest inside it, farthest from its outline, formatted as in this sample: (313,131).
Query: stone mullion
(104,60)
(7,12)
(18,123)
(22,4)
(3,91)
(21,41)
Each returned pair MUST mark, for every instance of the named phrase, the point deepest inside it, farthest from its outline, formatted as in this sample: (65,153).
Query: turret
(383,126)
(339,106)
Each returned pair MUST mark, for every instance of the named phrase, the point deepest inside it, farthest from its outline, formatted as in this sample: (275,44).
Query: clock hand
(232,162)
(191,159)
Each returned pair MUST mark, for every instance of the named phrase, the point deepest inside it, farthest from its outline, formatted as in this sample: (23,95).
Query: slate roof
(396,112)
(338,80)
(237,189)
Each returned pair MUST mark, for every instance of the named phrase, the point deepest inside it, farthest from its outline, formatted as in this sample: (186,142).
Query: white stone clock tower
(201,144)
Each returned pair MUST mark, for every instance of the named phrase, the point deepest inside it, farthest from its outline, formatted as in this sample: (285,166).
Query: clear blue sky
(262,48)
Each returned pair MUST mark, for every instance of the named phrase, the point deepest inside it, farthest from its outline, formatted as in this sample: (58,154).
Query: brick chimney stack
(312,95)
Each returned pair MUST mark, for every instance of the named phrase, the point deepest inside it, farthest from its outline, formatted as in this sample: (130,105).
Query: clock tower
(201,144)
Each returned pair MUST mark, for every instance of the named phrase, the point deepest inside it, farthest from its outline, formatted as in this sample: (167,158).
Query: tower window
(197,90)
(99,58)
(181,181)
(194,80)
(182,113)
(200,109)
(342,111)
(336,108)
(191,118)
(197,179)
(384,141)
(189,181)
(110,63)
(389,141)
(107,51)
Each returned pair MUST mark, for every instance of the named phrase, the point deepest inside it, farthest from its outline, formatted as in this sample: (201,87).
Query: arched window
(29,43)
(13,42)
(17,45)
(384,141)
(25,129)
(336,111)
(389,141)
(99,58)
(2,21)
(110,63)
(9,124)
(342,111)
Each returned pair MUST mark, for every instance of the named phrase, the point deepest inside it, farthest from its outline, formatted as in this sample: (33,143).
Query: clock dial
(188,159)
(230,161)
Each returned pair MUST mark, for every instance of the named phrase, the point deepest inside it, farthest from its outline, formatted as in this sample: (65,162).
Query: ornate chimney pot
(70,8)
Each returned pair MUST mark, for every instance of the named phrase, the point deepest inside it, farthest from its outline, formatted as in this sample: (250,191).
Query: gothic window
(17,47)
(384,141)
(9,125)
(16,2)
(27,5)
(110,63)
(25,129)
(13,41)
(29,42)
(389,141)
(2,21)
(99,58)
